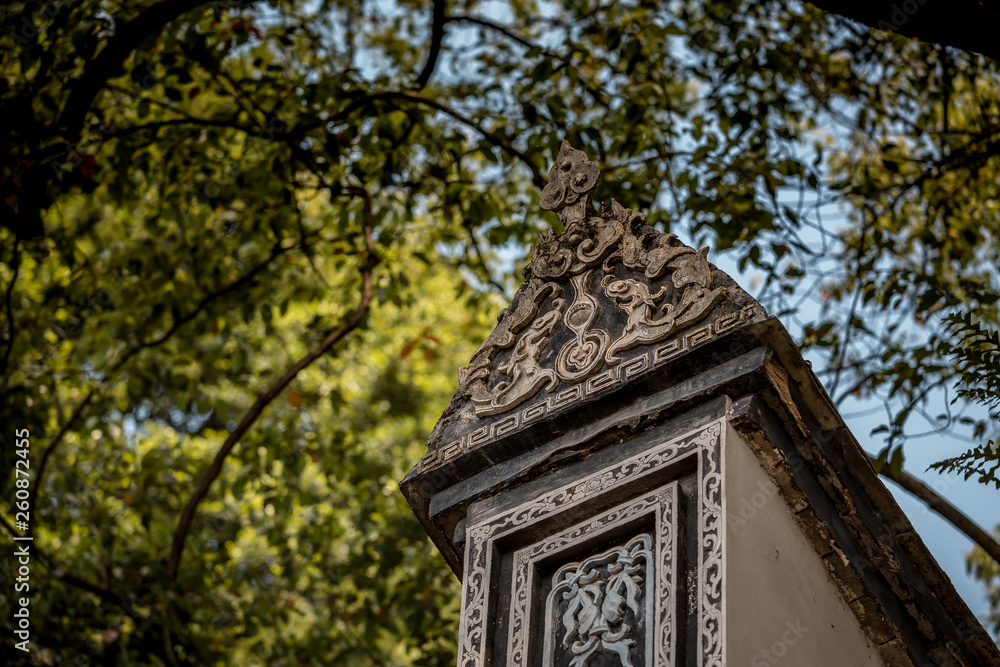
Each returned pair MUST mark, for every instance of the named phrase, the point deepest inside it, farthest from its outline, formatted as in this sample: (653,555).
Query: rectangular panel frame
(482,555)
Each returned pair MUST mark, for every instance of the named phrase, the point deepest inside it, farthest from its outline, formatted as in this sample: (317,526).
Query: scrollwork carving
(599,592)
(612,260)
(526,376)
(582,356)
(481,550)
(692,277)
(651,260)
(583,244)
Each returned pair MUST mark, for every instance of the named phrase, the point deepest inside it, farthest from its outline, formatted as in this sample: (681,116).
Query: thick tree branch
(437,35)
(264,399)
(62,574)
(970,25)
(952,514)
(24,218)
(107,64)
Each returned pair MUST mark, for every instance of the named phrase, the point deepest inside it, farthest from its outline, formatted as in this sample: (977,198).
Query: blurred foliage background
(194,196)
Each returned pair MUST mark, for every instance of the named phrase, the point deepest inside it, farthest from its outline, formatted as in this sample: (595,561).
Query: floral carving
(599,592)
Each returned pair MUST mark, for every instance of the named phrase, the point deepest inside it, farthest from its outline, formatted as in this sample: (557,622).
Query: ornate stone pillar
(639,469)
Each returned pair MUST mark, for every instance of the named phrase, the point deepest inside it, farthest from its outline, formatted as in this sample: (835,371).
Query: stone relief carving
(584,243)
(571,181)
(613,259)
(692,278)
(599,592)
(582,357)
(480,554)
(661,504)
(522,366)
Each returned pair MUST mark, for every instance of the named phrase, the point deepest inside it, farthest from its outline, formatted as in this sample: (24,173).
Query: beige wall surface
(781,608)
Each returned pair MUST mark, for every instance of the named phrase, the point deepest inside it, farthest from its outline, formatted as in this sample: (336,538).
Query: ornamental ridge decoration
(654,286)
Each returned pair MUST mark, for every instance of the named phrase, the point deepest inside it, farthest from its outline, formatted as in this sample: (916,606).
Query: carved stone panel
(600,609)
(653,287)
(607,590)
(605,302)
(655,598)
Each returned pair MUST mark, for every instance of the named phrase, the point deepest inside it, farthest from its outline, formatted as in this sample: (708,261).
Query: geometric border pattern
(602,383)
(705,443)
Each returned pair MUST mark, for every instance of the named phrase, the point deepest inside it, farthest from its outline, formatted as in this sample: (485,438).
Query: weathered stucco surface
(782,608)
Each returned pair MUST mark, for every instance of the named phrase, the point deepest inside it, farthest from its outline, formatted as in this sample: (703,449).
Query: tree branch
(536,174)
(107,63)
(26,220)
(437,35)
(474,243)
(52,446)
(142,345)
(595,93)
(15,264)
(951,513)
(264,399)
(61,573)
(500,29)
(205,301)
(292,136)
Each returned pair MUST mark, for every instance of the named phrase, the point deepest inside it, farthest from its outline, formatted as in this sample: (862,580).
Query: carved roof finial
(572,179)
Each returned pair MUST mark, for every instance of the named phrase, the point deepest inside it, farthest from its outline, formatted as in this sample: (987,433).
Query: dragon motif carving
(599,593)
(526,376)
(661,285)
(649,322)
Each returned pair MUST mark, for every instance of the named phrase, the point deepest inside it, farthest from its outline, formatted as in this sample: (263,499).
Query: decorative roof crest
(605,285)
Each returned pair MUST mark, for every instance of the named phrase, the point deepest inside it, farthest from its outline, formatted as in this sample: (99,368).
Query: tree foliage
(194,195)
(978,360)
(987,570)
